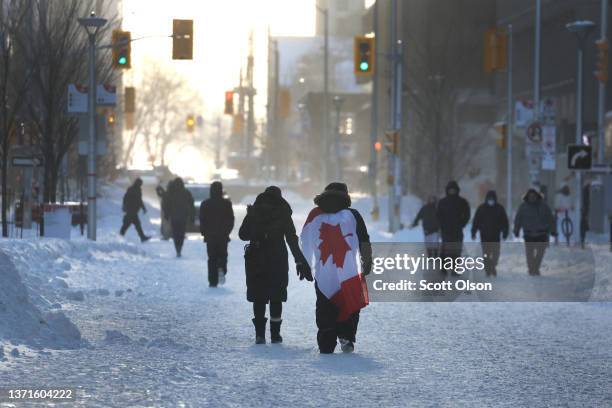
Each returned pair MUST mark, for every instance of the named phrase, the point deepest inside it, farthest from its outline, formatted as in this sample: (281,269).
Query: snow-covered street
(154,334)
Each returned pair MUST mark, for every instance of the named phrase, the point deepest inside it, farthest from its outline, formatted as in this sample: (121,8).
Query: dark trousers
(276,310)
(128,220)
(490,253)
(329,328)
(535,247)
(178,234)
(451,248)
(217,258)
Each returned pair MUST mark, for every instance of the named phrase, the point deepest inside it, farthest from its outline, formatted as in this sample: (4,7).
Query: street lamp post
(338,104)
(581,30)
(92,25)
(325,122)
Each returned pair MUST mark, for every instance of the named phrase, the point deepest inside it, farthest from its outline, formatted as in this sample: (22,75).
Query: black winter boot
(275,331)
(260,330)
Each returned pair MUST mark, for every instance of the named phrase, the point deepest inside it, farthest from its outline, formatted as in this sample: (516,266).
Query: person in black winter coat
(132,203)
(268,225)
(491,221)
(216,224)
(453,215)
(427,215)
(536,220)
(179,210)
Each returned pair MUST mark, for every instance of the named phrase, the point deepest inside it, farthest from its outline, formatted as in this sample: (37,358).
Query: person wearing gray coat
(536,220)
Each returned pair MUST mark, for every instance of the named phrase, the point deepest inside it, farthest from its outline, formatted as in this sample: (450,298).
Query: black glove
(303,271)
(366,267)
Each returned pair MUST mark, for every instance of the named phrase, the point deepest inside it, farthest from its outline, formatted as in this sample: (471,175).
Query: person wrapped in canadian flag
(336,244)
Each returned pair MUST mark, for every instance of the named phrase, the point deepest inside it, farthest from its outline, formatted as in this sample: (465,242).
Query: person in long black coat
(132,203)
(453,215)
(216,224)
(268,225)
(179,210)
(491,221)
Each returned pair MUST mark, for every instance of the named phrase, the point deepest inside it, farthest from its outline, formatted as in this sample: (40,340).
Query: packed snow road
(158,336)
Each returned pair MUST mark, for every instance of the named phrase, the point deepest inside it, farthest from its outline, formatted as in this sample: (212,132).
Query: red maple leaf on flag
(333,244)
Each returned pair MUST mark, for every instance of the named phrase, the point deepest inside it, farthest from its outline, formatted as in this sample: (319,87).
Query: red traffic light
(229,103)
(378,146)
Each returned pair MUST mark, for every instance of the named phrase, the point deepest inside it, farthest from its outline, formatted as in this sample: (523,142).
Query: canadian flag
(331,247)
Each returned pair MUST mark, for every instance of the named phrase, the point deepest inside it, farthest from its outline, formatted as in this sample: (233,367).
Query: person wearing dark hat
(179,210)
(336,243)
(267,226)
(132,203)
(453,215)
(537,221)
(491,221)
(216,224)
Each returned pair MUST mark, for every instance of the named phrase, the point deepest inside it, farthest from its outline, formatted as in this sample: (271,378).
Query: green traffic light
(122,60)
(364,66)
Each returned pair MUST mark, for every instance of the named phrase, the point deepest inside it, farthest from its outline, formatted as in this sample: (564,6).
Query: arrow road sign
(579,157)
(27,161)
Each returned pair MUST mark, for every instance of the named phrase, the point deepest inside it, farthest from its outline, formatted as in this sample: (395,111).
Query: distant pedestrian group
(446,219)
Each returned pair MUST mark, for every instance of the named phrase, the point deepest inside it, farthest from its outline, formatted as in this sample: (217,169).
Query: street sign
(534,133)
(549,148)
(579,157)
(106,95)
(548,111)
(77,98)
(27,161)
(83,145)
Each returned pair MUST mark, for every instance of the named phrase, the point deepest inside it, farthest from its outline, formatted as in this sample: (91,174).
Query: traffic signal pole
(373,165)
(92,25)
(395,165)
(602,90)
(510,123)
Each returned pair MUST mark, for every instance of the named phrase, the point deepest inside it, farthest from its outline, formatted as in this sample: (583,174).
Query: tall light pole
(325,122)
(581,30)
(92,25)
(372,166)
(510,122)
(601,107)
(338,104)
(535,176)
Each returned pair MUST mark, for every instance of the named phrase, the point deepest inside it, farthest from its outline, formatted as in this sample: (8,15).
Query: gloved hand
(303,271)
(366,267)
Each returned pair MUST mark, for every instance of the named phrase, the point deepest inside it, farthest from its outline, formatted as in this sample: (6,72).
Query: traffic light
(229,103)
(190,123)
(364,54)
(129,99)
(502,130)
(495,50)
(110,119)
(284,103)
(393,138)
(182,39)
(378,146)
(602,60)
(122,49)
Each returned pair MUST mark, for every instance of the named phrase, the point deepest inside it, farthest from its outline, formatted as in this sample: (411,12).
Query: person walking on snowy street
(333,237)
(216,224)
(453,215)
(536,220)
(132,203)
(267,226)
(179,210)
(431,228)
(491,221)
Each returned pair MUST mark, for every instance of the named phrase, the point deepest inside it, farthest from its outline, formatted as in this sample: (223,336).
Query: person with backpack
(179,210)
(431,228)
(132,203)
(267,226)
(336,243)
(491,221)
(216,224)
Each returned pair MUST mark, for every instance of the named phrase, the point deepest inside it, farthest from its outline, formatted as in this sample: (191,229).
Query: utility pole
(581,29)
(372,167)
(325,121)
(395,166)
(92,25)
(601,108)
(510,123)
(535,176)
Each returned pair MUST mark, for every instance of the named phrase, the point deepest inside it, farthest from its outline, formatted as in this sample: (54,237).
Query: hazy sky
(221,30)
